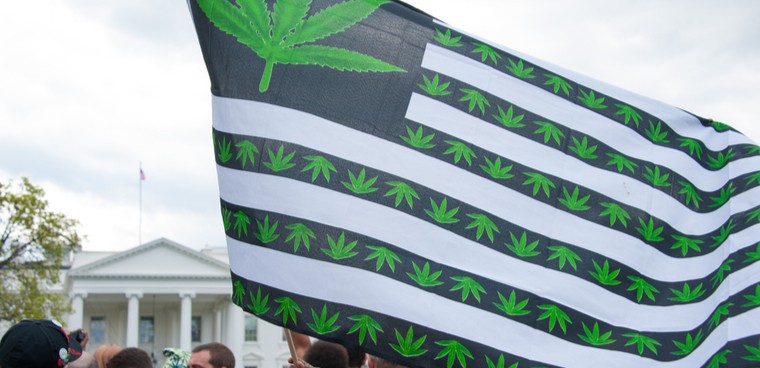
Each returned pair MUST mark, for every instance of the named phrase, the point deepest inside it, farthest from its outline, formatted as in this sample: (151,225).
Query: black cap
(37,343)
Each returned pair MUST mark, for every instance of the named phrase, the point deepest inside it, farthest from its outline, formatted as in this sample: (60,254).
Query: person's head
(36,343)
(325,354)
(104,353)
(84,361)
(130,358)
(356,356)
(375,362)
(211,355)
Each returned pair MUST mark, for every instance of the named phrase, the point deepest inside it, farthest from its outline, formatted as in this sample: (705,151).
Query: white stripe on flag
(299,199)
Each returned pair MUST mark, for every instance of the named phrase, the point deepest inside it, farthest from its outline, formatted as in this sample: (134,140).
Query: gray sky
(92,88)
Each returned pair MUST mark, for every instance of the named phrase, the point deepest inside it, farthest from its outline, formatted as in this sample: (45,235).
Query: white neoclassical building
(163,294)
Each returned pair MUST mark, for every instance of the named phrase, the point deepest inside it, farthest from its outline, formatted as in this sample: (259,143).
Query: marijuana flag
(390,182)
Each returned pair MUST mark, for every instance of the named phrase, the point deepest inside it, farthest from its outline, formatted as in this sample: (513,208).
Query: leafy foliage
(383,255)
(319,164)
(286,36)
(508,118)
(402,190)
(423,277)
(511,306)
(604,275)
(441,214)
(407,345)
(453,349)
(459,150)
(434,87)
(521,248)
(359,184)
(339,249)
(365,325)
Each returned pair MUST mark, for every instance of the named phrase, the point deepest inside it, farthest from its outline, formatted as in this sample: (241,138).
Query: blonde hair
(105,353)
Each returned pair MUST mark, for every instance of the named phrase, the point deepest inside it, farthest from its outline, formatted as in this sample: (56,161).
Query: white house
(163,294)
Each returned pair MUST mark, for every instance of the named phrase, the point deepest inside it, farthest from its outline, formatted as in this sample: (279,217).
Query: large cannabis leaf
(286,36)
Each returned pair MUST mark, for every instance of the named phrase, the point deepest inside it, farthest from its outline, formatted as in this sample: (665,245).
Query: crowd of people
(45,344)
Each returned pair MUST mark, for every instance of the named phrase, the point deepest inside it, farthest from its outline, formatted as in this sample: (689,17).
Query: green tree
(34,243)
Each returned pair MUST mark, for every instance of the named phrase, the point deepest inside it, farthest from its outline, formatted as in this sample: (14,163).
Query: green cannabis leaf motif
(718,126)
(319,164)
(642,287)
(408,346)
(649,232)
(521,247)
(620,162)
(266,232)
(725,194)
(655,134)
(495,170)
(629,113)
(519,71)
(719,312)
(433,88)
(686,294)
(482,223)
(720,160)
(572,202)
(753,256)
(238,291)
(279,162)
(224,147)
(359,184)
(288,308)
(468,285)
(339,249)
(300,233)
(723,233)
(563,255)
(423,277)
(590,100)
(593,336)
(721,273)
(691,193)
(616,213)
(486,52)
(226,214)
(558,83)
(475,98)
(241,222)
(655,177)
(695,148)
(550,131)
(445,39)
(417,140)
(440,213)
(511,306)
(459,150)
(752,177)
(402,190)
(539,181)
(258,303)
(453,349)
(508,119)
(641,341)
(685,244)
(286,36)
(365,325)
(688,345)
(582,149)
(603,274)
(322,325)
(718,359)
(383,255)
(246,151)
(755,351)
(555,316)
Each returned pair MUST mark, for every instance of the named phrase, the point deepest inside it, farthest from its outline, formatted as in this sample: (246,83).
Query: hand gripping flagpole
(292,347)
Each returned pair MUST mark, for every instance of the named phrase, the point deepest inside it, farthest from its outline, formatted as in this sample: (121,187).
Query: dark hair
(355,356)
(130,358)
(325,354)
(220,355)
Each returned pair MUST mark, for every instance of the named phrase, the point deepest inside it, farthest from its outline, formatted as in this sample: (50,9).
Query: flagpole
(139,225)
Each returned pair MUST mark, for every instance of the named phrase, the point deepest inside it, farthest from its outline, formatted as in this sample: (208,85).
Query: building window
(195,328)
(146,330)
(251,329)
(98,330)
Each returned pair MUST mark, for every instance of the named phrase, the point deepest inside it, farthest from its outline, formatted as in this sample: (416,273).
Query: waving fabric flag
(390,182)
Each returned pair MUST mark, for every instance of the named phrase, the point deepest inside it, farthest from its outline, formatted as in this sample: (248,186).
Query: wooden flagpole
(291,346)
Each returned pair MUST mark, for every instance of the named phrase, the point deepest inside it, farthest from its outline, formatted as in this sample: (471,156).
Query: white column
(76,319)
(218,323)
(133,318)
(235,330)
(185,320)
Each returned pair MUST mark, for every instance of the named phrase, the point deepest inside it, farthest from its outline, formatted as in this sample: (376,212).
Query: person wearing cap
(38,343)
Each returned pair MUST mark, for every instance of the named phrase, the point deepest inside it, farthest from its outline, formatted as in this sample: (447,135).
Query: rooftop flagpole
(139,226)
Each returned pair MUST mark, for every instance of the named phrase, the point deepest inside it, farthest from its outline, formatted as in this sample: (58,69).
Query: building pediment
(159,259)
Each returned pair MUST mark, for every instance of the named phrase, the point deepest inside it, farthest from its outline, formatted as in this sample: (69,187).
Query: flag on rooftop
(142,174)
(391,182)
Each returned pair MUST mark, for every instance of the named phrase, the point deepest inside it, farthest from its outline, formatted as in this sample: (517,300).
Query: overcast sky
(92,88)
